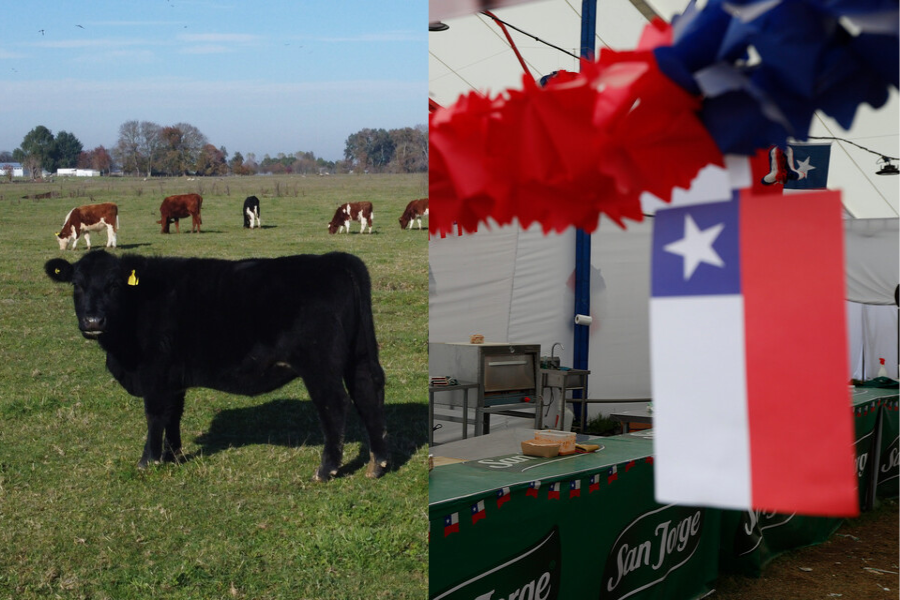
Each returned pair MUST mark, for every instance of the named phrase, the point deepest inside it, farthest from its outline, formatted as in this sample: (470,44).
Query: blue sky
(261,77)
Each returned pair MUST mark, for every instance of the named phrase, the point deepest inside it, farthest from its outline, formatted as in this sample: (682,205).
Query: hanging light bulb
(886,167)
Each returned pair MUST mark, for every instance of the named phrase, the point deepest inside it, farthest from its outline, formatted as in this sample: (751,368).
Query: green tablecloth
(584,526)
(587,526)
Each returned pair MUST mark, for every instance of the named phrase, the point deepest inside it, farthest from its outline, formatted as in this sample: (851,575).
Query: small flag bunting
(503,496)
(478,511)
(612,474)
(553,494)
(575,488)
(451,524)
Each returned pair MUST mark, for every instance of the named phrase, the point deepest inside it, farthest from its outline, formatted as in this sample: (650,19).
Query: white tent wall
(872,335)
(873,259)
(619,357)
(471,287)
(543,291)
(506,283)
(872,251)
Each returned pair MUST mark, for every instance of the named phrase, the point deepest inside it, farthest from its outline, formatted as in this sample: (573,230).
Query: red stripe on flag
(801,428)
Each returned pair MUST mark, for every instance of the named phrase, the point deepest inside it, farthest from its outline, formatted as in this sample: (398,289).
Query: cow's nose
(93,323)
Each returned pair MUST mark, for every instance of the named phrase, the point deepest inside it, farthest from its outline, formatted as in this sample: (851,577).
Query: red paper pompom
(586,144)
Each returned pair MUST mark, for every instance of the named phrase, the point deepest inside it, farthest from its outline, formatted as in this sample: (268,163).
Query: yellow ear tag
(132,279)
(56,271)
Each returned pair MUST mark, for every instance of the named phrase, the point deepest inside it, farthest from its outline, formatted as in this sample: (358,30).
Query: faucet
(553,349)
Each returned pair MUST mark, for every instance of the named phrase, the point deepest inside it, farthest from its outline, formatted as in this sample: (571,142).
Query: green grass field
(241,517)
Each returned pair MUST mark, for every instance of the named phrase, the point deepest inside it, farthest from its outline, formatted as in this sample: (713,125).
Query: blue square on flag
(810,164)
(695,251)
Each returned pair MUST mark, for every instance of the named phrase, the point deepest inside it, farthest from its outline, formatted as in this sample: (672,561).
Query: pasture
(240,518)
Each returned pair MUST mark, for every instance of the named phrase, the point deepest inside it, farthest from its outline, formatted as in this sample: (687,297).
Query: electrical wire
(534,37)
(815,137)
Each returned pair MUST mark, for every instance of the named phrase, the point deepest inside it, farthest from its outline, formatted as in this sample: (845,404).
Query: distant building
(17,169)
(77,173)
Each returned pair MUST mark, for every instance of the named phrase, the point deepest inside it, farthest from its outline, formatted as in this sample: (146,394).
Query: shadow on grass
(287,422)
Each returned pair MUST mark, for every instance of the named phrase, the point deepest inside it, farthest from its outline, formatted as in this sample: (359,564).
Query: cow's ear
(59,270)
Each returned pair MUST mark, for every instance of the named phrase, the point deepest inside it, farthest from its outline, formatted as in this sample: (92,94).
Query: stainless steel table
(567,380)
(464,387)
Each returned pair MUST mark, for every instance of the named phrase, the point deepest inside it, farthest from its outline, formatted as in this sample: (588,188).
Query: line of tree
(147,148)
(40,148)
(388,151)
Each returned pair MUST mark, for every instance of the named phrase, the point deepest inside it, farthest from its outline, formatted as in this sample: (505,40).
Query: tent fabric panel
(620,292)
(471,287)
(872,260)
(541,309)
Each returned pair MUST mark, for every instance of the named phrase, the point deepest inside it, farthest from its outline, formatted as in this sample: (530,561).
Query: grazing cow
(169,324)
(415,210)
(82,220)
(251,212)
(181,206)
(352,211)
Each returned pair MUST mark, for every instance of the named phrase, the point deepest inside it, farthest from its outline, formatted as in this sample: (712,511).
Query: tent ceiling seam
(455,72)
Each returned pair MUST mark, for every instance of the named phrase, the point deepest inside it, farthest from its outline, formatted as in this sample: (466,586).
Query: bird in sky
(79,26)
(41,31)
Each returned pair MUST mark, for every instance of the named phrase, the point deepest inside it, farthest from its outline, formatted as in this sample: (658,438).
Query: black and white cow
(251,213)
(169,324)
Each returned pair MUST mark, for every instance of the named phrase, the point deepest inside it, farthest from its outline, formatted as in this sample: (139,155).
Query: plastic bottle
(882,372)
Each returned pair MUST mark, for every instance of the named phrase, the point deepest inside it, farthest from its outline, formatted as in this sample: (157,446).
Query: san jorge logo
(532,574)
(649,548)
(749,534)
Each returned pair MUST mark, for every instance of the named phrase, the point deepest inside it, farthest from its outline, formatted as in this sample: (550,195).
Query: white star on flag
(803,167)
(696,246)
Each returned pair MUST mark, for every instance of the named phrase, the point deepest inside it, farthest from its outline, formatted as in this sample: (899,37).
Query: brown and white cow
(352,211)
(414,211)
(81,220)
(180,206)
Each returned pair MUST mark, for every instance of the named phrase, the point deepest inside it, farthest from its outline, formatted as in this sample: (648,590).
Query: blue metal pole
(582,239)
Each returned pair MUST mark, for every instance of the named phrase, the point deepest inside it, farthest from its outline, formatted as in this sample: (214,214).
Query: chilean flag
(533,488)
(594,484)
(478,511)
(575,488)
(553,494)
(451,524)
(612,474)
(749,356)
(502,496)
